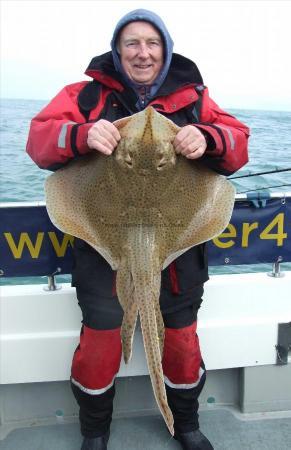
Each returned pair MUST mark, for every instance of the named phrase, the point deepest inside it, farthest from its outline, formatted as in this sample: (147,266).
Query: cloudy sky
(241,47)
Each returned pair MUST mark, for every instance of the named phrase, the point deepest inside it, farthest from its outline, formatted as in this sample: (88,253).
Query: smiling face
(141,51)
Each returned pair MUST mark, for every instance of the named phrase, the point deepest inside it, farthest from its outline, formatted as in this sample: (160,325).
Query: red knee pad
(97,359)
(182,357)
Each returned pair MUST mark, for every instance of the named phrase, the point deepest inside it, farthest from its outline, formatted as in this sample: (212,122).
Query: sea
(22,181)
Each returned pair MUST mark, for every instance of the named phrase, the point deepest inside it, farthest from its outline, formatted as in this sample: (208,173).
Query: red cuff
(214,142)
(81,139)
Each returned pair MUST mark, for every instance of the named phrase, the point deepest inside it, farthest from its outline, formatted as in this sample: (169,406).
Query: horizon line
(226,107)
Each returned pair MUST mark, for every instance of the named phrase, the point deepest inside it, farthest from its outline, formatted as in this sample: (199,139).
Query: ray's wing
(77,203)
(197,207)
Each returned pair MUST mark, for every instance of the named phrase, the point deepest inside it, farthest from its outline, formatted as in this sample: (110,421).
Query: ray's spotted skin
(141,208)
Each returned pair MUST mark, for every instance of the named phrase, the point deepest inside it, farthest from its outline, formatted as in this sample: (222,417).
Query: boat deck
(225,429)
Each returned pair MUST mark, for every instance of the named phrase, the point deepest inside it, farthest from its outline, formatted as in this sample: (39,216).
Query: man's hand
(190,142)
(103,136)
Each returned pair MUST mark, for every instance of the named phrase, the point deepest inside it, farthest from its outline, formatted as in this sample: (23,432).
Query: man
(140,70)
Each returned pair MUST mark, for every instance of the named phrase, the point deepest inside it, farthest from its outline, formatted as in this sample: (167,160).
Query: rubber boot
(193,440)
(98,443)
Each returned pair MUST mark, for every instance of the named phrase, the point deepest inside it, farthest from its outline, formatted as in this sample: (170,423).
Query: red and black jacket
(59,133)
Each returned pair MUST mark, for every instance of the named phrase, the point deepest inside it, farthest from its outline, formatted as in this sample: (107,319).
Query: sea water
(269,149)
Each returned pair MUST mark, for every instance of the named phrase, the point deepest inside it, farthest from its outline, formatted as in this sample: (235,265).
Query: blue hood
(156,21)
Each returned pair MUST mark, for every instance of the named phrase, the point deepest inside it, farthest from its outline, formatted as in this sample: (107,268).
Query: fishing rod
(288,169)
(265,187)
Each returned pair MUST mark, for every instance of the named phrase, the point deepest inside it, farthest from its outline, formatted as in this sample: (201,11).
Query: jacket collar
(182,72)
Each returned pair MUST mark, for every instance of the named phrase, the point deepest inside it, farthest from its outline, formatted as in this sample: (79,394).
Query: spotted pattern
(141,208)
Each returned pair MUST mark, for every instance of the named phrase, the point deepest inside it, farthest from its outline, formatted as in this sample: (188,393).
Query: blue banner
(30,245)
(259,232)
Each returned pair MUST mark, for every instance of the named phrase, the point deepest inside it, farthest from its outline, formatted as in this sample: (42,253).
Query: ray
(140,209)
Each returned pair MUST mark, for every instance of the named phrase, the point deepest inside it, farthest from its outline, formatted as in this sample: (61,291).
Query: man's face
(141,50)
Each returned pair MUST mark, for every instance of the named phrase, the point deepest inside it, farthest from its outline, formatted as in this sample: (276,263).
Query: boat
(244,327)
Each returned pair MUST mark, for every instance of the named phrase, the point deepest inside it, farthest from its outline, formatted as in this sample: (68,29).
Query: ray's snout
(146,146)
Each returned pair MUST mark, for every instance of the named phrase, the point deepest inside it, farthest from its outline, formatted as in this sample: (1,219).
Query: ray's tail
(146,280)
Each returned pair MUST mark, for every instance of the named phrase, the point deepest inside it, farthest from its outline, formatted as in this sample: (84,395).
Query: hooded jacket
(59,132)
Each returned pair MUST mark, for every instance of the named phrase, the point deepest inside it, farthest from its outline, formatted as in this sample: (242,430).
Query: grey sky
(241,47)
